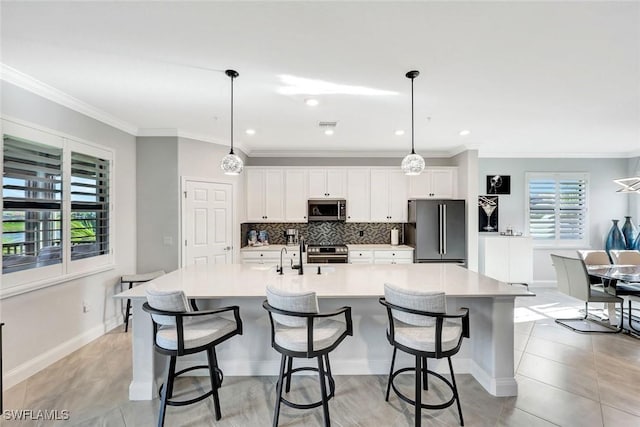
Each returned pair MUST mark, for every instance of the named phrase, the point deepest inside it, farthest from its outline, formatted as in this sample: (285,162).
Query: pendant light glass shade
(412,164)
(232,164)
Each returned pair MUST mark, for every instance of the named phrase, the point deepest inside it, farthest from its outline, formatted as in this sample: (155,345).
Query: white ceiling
(528,79)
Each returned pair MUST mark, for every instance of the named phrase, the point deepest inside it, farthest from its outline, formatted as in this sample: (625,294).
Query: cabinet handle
(349,217)
(261,254)
(393,254)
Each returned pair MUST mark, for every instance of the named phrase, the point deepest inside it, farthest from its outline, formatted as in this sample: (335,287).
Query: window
(56,221)
(557,208)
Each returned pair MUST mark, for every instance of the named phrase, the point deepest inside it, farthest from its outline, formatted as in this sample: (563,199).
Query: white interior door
(207,223)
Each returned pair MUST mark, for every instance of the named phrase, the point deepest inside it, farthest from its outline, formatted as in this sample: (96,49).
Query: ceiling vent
(327,125)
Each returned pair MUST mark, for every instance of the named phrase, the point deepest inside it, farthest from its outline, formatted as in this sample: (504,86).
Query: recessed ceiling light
(465,132)
(250,131)
(328,132)
(311,102)
(399,132)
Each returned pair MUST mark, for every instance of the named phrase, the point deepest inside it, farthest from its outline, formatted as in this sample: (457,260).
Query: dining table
(620,280)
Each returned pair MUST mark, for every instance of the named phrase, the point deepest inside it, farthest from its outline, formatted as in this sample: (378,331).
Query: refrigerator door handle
(444,229)
(440,219)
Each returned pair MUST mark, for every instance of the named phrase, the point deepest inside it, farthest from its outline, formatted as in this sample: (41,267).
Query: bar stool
(299,330)
(132,279)
(419,325)
(179,331)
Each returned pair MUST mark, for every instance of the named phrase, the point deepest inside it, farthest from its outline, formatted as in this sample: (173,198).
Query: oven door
(327,259)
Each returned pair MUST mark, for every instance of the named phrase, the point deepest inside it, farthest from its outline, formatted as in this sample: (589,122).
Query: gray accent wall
(604,202)
(44,325)
(158,203)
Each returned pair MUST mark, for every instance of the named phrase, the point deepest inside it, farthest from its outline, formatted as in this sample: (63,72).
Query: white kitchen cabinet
(388,196)
(327,183)
(360,257)
(270,256)
(393,257)
(265,195)
(506,258)
(434,183)
(358,195)
(295,195)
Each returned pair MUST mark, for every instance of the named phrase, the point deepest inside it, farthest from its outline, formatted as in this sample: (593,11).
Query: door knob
(227,248)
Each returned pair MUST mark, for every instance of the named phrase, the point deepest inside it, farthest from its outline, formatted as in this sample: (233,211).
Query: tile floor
(565,379)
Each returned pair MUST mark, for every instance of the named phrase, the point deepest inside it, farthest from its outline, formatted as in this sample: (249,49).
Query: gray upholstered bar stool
(178,331)
(420,325)
(299,330)
(136,279)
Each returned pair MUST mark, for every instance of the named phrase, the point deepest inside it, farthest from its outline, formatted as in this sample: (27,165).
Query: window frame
(557,242)
(18,282)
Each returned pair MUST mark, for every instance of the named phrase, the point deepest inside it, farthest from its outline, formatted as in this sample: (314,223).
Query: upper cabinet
(434,183)
(327,183)
(388,195)
(295,195)
(265,195)
(358,195)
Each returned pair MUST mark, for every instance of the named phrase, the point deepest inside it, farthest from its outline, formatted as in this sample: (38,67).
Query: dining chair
(595,257)
(625,257)
(573,280)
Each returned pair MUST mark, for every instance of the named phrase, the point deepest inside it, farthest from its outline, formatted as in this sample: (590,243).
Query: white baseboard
(38,363)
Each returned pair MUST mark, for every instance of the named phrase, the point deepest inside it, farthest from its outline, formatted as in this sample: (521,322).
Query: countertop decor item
(232,164)
(629,232)
(412,164)
(395,237)
(615,239)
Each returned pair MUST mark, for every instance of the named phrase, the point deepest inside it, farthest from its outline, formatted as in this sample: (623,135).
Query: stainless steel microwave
(327,210)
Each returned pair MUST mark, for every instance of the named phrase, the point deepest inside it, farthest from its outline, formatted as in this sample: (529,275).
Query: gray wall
(158,203)
(467,163)
(604,202)
(44,325)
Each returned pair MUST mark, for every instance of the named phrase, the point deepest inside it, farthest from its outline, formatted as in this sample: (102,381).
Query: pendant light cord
(412,149)
(231,152)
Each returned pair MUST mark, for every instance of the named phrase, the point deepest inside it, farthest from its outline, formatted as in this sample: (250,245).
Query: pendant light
(231,164)
(632,184)
(413,164)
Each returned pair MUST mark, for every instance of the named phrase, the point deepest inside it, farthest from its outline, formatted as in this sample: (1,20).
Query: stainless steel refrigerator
(437,229)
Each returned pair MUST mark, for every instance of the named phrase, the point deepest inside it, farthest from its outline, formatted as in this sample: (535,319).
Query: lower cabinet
(381,257)
(506,258)
(270,257)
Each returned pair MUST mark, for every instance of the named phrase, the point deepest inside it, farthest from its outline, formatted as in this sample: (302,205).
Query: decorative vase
(615,239)
(629,231)
(636,244)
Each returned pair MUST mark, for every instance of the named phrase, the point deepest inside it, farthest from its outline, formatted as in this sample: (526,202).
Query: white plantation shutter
(557,207)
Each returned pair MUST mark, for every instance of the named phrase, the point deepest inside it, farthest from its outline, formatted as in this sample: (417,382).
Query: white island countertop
(336,281)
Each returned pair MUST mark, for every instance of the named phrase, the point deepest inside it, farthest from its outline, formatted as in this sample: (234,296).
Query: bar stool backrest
(167,300)
(626,257)
(434,302)
(299,302)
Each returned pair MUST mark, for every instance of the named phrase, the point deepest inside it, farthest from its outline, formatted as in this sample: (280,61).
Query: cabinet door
(398,196)
(358,195)
(336,183)
(379,195)
(520,260)
(317,183)
(496,258)
(420,185)
(274,195)
(295,195)
(255,195)
(443,183)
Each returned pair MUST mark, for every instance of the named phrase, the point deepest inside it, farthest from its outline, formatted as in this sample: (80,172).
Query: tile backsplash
(327,232)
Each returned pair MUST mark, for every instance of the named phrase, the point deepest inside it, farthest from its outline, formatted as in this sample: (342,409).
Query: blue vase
(636,244)
(615,239)
(629,232)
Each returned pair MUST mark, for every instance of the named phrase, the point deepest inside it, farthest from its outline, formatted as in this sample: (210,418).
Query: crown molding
(339,153)
(554,155)
(24,81)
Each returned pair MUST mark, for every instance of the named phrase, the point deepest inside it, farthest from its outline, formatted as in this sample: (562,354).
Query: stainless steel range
(327,254)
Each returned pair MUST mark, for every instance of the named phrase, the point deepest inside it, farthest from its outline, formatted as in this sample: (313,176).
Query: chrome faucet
(281,268)
(301,271)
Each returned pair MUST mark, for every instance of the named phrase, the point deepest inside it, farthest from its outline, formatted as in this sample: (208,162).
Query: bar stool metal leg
(215,383)
(425,379)
(276,414)
(393,361)
(127,311)
(289,368)
(323,390)
(418,405)
(455,391)
(167,389)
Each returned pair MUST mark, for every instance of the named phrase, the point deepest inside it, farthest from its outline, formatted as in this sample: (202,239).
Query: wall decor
(498,184)
(487,213)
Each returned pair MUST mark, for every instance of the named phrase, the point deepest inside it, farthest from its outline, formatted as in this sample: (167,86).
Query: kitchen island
(487,355)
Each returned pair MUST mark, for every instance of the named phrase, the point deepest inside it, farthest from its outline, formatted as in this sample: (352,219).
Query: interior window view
(347,213)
